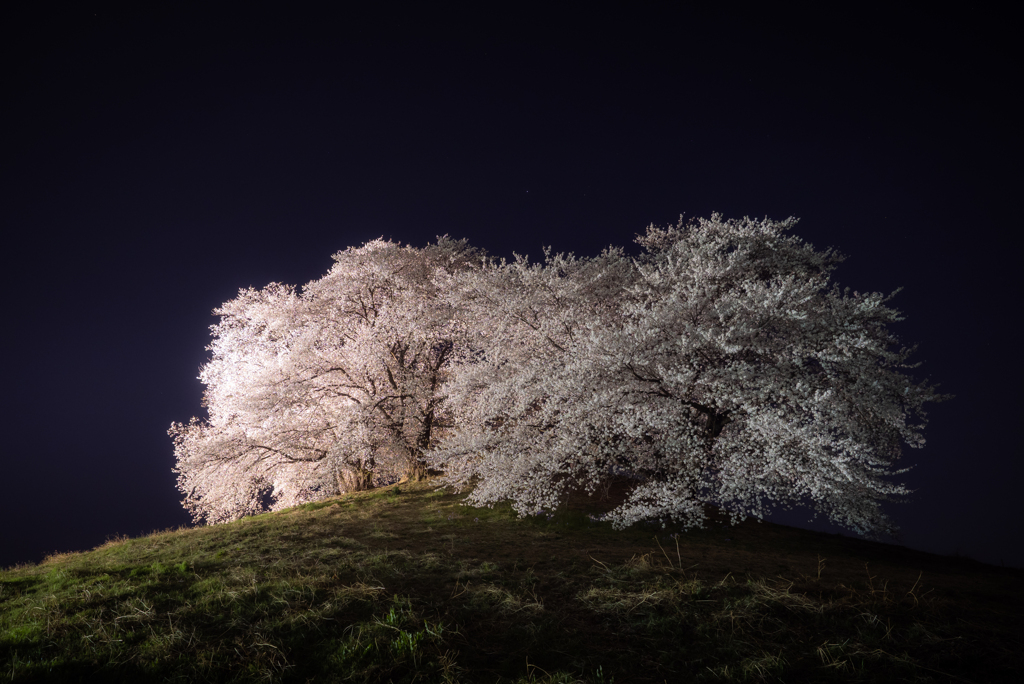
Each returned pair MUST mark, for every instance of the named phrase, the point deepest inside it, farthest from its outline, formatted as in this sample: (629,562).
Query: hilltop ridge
(406,583)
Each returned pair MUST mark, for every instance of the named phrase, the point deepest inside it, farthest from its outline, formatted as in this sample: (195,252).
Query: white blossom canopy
(316,392)
(720,366)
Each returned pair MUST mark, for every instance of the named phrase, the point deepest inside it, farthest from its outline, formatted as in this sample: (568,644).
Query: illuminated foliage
(326,390)
(720,366)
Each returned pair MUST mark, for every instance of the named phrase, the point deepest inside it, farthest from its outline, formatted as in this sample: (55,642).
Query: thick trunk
(356,480)
(363,480)
(417,470)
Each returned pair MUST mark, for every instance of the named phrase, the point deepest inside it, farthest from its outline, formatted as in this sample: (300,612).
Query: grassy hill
(407,584)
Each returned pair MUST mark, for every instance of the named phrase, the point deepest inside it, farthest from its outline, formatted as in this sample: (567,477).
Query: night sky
(154,163)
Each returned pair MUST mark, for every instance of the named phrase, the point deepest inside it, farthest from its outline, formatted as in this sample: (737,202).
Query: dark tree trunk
(356,480)
(362,480)
(418,470)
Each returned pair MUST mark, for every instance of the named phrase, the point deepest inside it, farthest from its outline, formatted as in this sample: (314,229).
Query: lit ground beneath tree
(407,584)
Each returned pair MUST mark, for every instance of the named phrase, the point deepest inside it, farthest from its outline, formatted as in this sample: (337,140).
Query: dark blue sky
(155,162)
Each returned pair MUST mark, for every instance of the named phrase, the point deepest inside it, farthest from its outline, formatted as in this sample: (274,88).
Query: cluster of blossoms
(721,365)
(335,388)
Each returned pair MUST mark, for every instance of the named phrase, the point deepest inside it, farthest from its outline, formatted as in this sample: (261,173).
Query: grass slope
(408,584)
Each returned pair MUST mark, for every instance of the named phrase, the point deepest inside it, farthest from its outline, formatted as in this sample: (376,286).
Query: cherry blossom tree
(324,390)
(721,366)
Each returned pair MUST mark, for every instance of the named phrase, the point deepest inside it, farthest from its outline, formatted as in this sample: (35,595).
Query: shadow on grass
(409,584)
